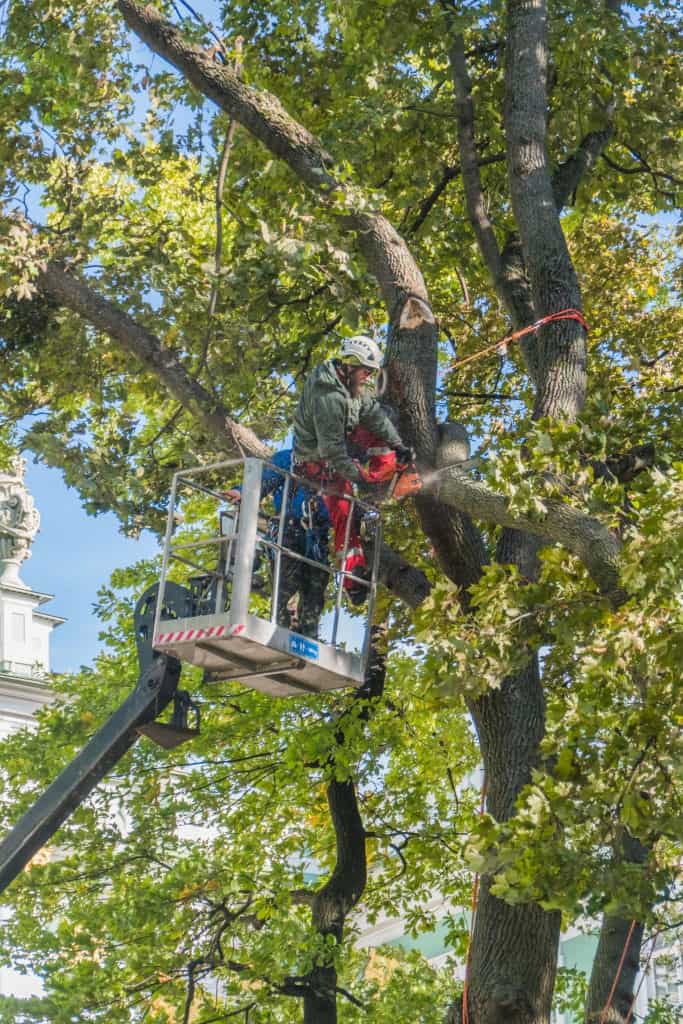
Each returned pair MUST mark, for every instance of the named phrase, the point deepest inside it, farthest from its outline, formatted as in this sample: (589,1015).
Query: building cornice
(26,592)
(56,620)
(14,685)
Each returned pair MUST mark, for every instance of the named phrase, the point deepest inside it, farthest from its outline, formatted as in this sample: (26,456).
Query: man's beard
(355,385)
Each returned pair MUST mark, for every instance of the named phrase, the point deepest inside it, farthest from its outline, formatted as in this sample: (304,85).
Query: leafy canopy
(115,159)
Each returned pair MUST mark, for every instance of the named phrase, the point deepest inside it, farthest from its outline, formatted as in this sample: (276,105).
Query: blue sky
(72,556)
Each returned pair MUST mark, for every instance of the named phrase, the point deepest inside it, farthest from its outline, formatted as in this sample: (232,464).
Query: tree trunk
(620,938)
(616,936)
(561,347)
(514,948)
(345,886)
(513,964)
(320,1001)
(337,897)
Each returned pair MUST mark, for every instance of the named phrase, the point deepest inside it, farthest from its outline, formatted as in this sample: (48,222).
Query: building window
(18,627)
(668,977)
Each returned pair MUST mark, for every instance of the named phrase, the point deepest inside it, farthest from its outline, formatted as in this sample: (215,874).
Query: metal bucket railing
(238,546)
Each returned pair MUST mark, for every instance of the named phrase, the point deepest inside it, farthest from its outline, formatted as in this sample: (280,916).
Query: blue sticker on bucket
(302,647)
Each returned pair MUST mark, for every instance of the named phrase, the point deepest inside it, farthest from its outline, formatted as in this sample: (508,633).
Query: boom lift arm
(218,632)
(155,689)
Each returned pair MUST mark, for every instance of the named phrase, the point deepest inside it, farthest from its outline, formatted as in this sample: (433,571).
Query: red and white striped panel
(208,632)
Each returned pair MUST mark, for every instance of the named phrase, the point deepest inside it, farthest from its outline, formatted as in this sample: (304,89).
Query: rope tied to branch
(501,346)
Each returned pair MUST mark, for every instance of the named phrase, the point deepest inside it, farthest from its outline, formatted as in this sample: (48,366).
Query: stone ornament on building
(19,522)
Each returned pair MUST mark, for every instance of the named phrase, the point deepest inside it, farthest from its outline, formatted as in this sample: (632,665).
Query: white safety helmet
(361,351)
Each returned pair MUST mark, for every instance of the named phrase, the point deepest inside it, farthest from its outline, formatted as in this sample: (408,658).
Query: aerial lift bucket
(235,639)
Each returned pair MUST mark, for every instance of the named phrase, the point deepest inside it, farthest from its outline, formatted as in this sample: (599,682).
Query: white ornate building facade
(24,627)
(25,630)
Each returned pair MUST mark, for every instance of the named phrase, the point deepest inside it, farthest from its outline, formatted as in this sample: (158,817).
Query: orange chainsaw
(403,478)
(405,482)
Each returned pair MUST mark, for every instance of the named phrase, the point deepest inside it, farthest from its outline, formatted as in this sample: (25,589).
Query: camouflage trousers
(302,586)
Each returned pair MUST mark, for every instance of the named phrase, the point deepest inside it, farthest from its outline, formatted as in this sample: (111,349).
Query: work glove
(404,456)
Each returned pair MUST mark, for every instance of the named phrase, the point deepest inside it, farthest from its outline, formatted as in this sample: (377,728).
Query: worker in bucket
(343,438)
(301,594)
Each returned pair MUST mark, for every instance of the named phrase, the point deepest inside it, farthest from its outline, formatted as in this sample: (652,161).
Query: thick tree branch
(71,291)
(474,194)
(345,886)
(260,113)
(565,181)
(583,535)
(400,577)
(506,269)
(569,174)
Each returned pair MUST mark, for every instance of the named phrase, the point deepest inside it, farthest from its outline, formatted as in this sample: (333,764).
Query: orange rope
(465,1015)
(603,1015)
(563,314)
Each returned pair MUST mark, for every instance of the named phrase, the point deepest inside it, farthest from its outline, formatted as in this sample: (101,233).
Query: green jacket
(326,415)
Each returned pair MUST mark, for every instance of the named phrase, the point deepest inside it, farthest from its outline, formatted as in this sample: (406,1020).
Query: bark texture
(561,347)
(620,938)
